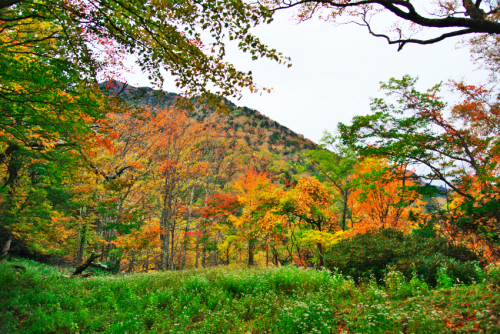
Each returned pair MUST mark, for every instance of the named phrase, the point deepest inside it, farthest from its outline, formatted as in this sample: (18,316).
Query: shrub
(493,274)
(371,253)
(397,285)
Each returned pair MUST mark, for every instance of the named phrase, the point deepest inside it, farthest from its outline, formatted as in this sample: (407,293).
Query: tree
(460,150)
(410,17)
(336,166)
(309,203)
(415,130)
(384,198)
(257,195)
(91,38)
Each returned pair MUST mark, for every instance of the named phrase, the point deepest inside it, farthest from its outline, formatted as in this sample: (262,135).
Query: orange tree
(257,197)
(384,198)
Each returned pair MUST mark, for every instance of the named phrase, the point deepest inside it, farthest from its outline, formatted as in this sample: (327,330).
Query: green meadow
(36,298)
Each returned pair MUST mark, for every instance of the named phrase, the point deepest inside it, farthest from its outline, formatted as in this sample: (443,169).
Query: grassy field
(238,300)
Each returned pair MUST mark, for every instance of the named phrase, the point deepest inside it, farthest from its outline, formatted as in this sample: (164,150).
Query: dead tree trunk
(87,263)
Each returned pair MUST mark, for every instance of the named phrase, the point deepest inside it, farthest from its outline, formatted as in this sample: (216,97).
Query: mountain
(279,138)
(259,131)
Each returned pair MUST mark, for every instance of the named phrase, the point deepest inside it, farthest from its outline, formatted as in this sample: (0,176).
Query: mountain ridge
(279,138)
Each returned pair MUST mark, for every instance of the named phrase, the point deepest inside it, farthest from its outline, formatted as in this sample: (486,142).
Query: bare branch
(474,21)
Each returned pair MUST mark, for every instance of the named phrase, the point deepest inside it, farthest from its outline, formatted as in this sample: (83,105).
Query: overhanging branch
(472,20)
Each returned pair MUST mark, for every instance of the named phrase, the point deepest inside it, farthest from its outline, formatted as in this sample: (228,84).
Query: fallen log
(74,276)
(99,265)
(85,275)
(86,264)
(18,267)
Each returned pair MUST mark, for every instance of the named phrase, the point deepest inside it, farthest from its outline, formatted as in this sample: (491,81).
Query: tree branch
(476,20)
(403,41)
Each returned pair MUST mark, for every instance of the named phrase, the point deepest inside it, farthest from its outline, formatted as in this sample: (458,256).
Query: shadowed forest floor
(38,299)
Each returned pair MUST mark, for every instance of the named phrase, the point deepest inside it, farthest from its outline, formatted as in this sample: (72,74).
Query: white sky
(335,71)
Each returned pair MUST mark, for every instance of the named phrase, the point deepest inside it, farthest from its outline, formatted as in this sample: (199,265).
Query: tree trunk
(251,245)
(83,241)
(197,255)
(214,257)
(267,256)
(344,210)
(147,260)
(172,231)
(166,214)
(165,253)
(320,252)
(87,263)
(187,228)
(131,264)
(203,257)
(6,248)
(172,249)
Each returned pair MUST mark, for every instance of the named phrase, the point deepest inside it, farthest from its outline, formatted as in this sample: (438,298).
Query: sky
(336,69)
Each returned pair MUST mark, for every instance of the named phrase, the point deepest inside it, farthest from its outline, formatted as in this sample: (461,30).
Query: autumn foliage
(167,182)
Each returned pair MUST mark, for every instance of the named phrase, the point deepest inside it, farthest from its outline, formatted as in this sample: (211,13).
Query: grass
(238,300)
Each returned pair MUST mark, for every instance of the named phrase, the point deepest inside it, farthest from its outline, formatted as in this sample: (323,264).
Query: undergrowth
(242,300)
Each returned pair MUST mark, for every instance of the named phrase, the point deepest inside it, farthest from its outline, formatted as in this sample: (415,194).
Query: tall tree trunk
(172,247)
(147,260)
(131,264)
(109,247)
(197,255)
(83,241)
(165,224)
(99,230)
(204,249)
(6,247)
(203,256)
(251,260)
(188,222)
(320,252)
(165,254)
(172,232)
(214,257)
(344,210)
(267,255)
(103,247)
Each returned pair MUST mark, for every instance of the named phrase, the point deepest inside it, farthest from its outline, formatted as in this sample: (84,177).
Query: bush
(397,285)
(493,274)
(369,254)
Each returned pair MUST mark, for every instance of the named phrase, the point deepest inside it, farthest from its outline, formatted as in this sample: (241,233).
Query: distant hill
(260,132)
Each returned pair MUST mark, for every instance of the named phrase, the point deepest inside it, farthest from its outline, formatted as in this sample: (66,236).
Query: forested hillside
(259,131)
